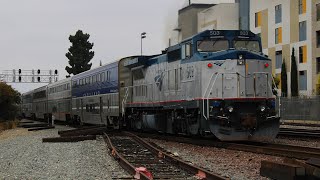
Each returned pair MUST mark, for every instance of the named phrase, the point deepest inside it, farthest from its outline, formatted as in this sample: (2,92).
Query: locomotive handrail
(124,99)
(206,94)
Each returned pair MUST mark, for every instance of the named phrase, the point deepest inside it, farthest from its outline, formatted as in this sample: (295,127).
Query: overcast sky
(34,33)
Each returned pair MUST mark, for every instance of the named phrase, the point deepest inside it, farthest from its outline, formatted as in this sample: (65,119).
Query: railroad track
(145,161)
(305,133)
(297,152)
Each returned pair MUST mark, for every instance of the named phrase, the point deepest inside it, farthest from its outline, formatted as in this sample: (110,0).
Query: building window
(302,6)
(278,59)
(278,13)
(318,39)
(303,80)
(318,12)
(258,19)
(318,65)
(303,31)
(303,54)
(278,35)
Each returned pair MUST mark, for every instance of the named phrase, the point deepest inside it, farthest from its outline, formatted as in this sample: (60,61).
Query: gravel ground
(24,156)
(229,163)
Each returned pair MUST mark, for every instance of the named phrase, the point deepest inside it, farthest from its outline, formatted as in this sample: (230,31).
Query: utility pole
(143,35)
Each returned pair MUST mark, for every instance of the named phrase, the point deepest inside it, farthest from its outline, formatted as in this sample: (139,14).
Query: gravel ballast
(24,156)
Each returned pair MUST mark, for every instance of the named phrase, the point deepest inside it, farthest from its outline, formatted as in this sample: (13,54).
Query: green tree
(284,85)
(9,100)
(318,85)
(80,53)
(294,75)
(275,85)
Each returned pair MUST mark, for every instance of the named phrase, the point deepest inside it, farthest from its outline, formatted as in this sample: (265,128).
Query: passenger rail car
(39,104)
(26,104)
(95,97)
(216,82)
(59,100)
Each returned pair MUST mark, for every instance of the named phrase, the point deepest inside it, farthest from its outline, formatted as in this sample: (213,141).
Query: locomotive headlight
(240,57)
(230,109)
(262,108)
(240,61)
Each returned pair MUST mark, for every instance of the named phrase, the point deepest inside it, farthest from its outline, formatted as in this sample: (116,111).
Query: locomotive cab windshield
(212,45)
(247,44)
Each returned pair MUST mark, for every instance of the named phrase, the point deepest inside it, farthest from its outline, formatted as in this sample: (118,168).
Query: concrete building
(188,20)
(282,25)
(211,18)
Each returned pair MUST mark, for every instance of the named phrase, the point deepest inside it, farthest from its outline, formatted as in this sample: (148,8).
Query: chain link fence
(299,108)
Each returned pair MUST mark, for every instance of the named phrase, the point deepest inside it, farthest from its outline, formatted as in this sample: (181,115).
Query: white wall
(217,18)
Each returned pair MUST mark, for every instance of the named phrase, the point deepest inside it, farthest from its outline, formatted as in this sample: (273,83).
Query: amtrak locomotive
(216,82)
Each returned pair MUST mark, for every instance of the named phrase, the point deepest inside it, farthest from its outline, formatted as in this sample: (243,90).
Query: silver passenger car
(59,100)
(26,104)
(39,107)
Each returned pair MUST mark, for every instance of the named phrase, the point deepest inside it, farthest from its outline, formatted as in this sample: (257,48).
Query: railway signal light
(266,65)
(38,71)
(209,65)
(55,71)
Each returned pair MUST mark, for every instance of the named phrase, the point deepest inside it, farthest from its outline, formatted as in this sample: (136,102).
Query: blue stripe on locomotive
(231,53)
(97,88)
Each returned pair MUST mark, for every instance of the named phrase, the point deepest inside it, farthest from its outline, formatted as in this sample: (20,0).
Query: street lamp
(143,35)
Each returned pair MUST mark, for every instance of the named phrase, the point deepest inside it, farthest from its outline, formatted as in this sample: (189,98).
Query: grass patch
(8,125)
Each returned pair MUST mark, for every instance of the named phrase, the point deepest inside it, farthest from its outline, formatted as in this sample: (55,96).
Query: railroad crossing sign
(29,76)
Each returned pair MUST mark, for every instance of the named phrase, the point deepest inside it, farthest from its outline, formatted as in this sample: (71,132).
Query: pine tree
(318,86)
(284,85)
(9,100)
(294,75)
(79,54)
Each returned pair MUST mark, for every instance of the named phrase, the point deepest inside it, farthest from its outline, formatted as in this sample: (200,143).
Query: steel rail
(297,152)
(305,133)
(122,161)
(197,171)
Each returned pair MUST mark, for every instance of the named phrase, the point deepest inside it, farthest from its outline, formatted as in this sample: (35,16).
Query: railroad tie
(311,171)
(276,170)
(69,139)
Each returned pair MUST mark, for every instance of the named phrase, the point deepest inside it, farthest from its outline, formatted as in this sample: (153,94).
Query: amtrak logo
(218,63)
(158,80)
